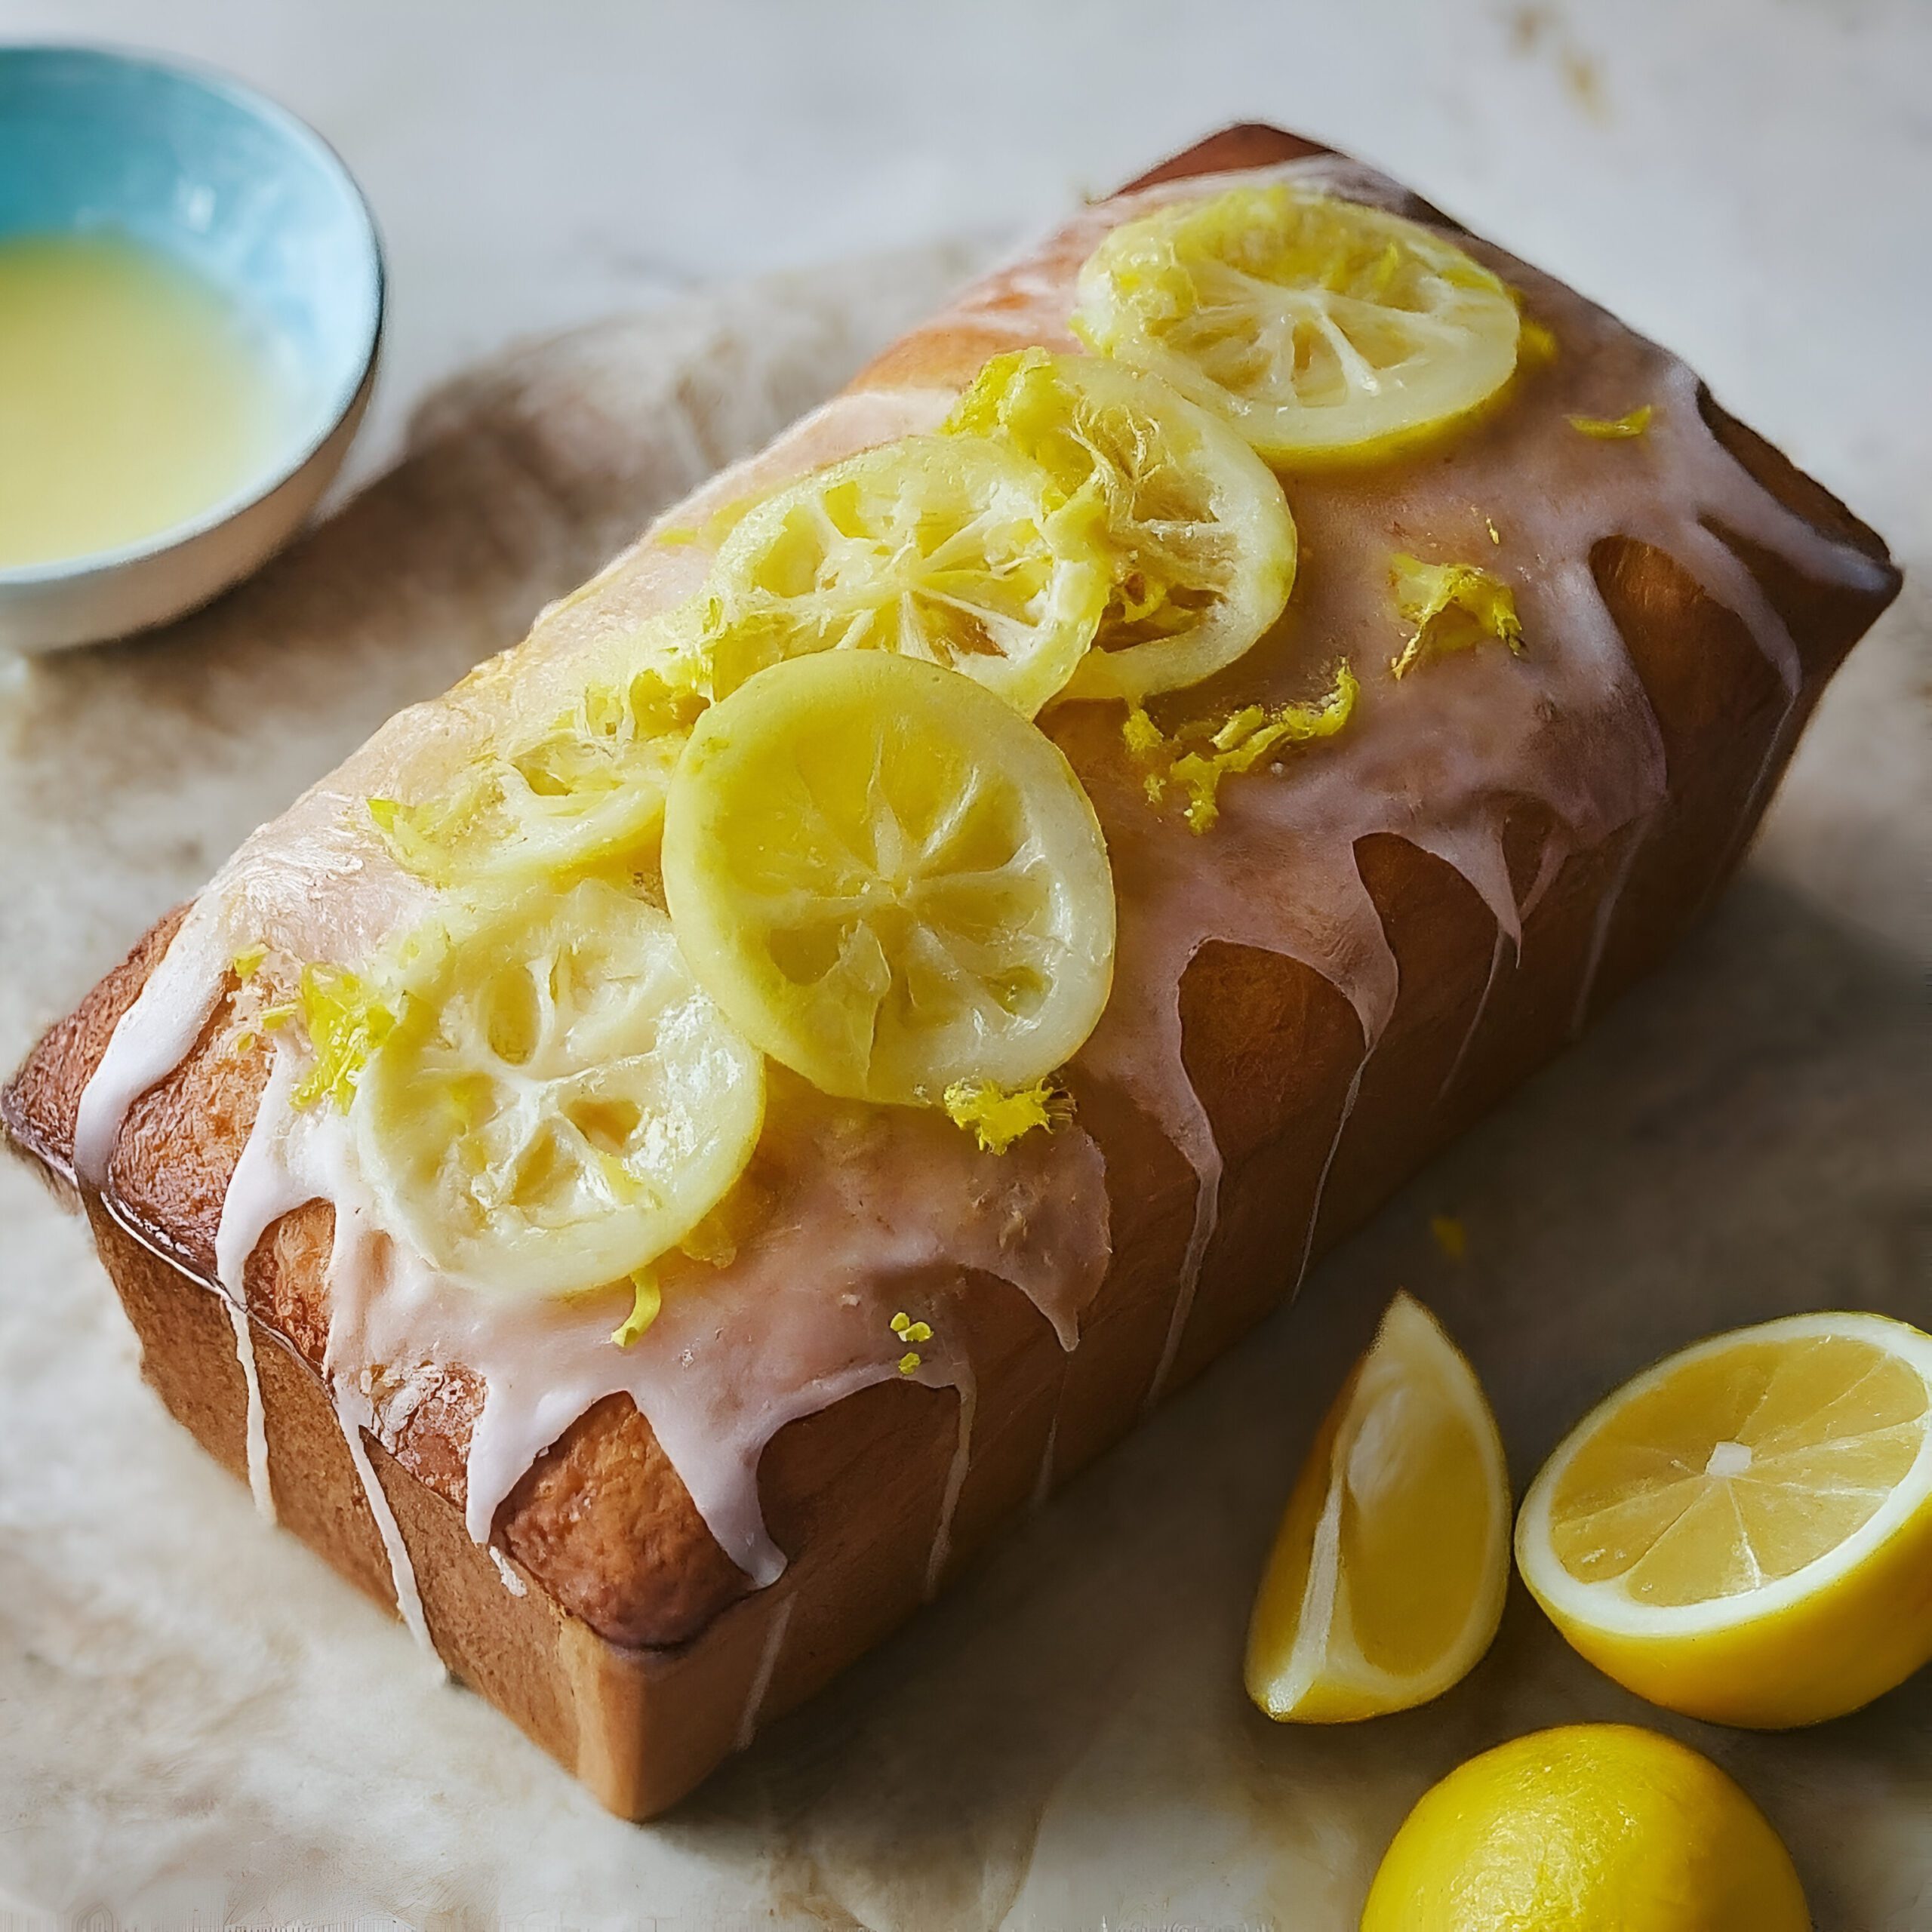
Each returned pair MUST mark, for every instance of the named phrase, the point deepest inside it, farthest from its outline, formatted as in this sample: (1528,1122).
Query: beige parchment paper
(201,1726)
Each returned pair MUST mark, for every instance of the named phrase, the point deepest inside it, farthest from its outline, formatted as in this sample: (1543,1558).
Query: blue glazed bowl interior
(96,141)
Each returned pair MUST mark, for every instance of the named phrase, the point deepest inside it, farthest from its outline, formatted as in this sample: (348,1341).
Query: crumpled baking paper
(201,1726)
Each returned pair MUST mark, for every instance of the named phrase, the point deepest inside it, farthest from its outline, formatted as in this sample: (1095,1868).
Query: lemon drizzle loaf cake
(653,1159)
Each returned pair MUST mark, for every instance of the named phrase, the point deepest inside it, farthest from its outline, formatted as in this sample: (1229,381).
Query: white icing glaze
(1502,941)
(769,1652)
(259,1485)
(955,1478)
(513,1582)
(353,1411)
(866,1211)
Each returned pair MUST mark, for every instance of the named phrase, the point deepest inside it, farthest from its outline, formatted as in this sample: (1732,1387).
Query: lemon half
(1201,545)
(954,549)
(559,1103)
(1588,1827)
(1744,1532)
(1320,328)
(889,879)
(1387,1578)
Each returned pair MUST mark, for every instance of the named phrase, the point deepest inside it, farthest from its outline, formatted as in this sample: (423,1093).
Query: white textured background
(194,1719)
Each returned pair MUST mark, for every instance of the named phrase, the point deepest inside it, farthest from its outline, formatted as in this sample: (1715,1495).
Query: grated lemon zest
(997,1116)
(1535,343)
(244,1043)
(346,1023)
(647,1299)
(1450,606)
(1196,757)
(271,1019)
(248,962)
(1451,1235)
(1615,429)
(909,1361)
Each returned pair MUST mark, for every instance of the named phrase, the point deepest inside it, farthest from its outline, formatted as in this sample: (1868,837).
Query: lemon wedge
(889,879)
(1318,328)
(1744,1532)
(955,549)
(1587,1826)
(1201,545)
(557,1102)
(1387,1578)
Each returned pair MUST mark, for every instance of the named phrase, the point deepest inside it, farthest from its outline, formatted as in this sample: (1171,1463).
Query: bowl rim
(293,128)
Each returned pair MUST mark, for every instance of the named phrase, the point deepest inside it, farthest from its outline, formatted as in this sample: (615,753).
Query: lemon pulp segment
(1386,1581)
(1318,328)
(1588,1825)
(889,879)
(1745,1531)
(557,1101)
(1200,543)
(953,549)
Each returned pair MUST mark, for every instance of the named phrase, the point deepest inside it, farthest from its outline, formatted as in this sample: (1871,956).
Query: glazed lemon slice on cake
(1387,1578)
(953,549)
(1744,1532)
(1200,542)
(888,879)
(557,1101)
(1320,328)
(589,787)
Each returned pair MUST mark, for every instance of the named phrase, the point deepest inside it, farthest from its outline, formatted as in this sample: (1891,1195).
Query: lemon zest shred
(647,1298)
(1536,343)
(909,1362)
(244,1043)
(1451,1235)
(997,1116)
(346,1023)
(1615,429)
(1450,606)
(1495,535)
(248,962)
(272,1018)
(1196,757)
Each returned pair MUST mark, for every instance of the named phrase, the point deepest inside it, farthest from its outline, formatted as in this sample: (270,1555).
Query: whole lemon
(1588,1828)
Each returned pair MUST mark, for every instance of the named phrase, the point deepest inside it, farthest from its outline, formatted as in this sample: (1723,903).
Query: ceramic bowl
(93,140)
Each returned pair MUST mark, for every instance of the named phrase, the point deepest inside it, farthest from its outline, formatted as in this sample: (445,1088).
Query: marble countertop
(1747,182)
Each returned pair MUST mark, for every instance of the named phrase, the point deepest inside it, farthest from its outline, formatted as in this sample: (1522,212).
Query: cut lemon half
(1200,543)
(558,1102)
(889,879)
(1387,1578)
(1744,1532)
(1320,328)
(953,549)
(589,788)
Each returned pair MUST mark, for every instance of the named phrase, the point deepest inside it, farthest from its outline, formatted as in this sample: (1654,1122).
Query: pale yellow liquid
(134,395)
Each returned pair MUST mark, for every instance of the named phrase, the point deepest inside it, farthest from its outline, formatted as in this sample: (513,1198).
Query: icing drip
(767,1668)
(955,1480)
(1502,940)
(353,1412)
(513,1582)
(1633,841)
(863,1212)
(259,1485)
(1327,1165)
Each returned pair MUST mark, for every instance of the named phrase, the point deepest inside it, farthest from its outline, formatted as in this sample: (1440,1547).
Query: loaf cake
(646,1448)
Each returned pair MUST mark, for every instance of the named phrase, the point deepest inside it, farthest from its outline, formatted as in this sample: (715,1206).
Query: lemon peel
(1536,345)
(248,962)
(997,1116)
(1195,758)
(1615,429)
(1451,606)
(908,1363)
(647,1299)
(902,1325)
(347,1020)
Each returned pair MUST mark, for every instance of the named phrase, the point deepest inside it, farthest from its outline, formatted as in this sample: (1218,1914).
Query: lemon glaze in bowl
(100,143)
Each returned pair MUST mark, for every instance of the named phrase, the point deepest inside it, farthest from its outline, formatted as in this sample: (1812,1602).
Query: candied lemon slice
(954,549)
(557,1101)
(889,879)
(589,787)
(1744,1532)
(1198,532)
(1318,328)
(1386,1581)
